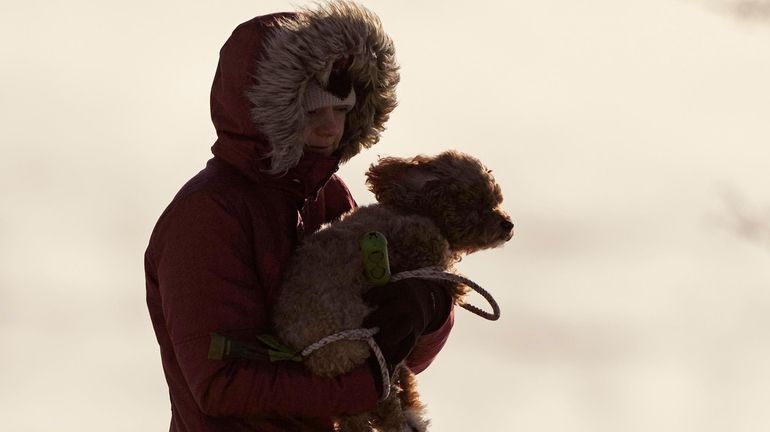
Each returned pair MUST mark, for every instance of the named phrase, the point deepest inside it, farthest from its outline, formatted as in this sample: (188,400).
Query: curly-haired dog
(432,210)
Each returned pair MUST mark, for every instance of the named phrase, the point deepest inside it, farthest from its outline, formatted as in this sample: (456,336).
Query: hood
(264,68)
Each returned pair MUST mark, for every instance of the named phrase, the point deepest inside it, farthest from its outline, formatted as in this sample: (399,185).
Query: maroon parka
(216,256)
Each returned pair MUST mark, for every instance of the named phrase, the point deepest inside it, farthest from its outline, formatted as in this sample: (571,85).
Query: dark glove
(405,310)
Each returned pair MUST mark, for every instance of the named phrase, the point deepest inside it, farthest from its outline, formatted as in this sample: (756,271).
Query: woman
(294,95)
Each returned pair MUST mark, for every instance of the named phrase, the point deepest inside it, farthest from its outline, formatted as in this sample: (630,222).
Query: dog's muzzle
(507,227)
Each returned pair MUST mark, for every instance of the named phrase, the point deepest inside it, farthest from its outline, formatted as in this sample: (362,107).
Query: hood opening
(266,64)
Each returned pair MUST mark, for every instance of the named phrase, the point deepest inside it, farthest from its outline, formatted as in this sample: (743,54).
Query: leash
(377,270)
(357,334)
(374,248)
(436,273)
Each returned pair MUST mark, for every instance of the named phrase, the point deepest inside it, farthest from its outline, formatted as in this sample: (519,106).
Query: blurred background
(631,140)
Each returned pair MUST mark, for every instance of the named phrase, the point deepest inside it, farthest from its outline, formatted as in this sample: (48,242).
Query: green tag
(279,351)
(374,248)
(271,349)
(218,348)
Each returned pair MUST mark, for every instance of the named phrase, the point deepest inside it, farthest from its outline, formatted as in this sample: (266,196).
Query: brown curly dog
(432,210)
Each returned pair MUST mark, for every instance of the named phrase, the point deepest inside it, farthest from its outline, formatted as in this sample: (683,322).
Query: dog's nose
(506,225)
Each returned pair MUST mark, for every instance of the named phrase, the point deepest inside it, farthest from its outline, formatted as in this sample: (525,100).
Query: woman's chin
(322,151)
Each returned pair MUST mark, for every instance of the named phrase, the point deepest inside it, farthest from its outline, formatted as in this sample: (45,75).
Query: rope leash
(357,334)
(377,270)
(434,273)
(221,347)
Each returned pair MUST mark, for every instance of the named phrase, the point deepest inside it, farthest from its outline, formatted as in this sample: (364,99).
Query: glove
(405,310)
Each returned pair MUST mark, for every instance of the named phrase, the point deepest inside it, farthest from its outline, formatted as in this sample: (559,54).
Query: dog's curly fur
(432,210)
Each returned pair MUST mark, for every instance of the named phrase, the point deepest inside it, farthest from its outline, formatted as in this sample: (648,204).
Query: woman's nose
(326,124)
(328,128)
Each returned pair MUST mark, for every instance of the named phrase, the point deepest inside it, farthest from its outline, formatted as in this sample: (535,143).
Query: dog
(432,211)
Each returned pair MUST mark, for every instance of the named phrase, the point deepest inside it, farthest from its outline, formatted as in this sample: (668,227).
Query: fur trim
(305,48)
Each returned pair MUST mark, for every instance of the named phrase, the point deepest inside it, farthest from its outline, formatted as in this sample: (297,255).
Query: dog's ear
(398,182)
(416,177)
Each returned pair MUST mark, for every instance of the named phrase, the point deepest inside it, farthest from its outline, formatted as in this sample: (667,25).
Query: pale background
(630,139)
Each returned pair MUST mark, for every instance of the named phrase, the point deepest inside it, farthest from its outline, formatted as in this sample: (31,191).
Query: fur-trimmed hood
(265,66)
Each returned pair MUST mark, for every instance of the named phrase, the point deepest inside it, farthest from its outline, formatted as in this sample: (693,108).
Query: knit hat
(316,97)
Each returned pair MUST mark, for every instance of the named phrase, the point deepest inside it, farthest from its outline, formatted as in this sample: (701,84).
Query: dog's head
(453,189)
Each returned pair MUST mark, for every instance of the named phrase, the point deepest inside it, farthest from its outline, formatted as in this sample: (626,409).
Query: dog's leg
(354,423)
(402,410)
(413,408)
(388,417)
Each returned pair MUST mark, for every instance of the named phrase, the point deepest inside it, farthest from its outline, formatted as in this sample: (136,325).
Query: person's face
(324,128)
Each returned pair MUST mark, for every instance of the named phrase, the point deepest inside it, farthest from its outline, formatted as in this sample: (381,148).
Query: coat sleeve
(207,283)
(429,345)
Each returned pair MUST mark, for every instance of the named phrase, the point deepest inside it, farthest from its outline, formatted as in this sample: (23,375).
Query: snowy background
(631,140)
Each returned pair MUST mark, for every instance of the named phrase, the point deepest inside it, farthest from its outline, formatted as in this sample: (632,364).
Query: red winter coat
(216,256)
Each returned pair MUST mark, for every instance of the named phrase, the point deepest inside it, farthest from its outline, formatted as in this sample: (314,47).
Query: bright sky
(631,140)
